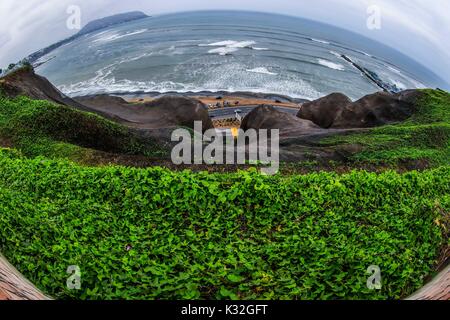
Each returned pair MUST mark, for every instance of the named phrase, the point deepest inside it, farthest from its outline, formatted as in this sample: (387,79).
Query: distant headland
(92,26)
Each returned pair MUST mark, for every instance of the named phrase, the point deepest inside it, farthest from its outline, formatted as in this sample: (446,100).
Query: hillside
(420,141)
(111,21)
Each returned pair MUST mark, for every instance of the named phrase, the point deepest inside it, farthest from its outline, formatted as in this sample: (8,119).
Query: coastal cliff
(406,130)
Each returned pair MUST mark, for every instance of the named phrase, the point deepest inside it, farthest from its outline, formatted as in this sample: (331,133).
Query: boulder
(165,112)
(323,111)
(180,111)
(267,117)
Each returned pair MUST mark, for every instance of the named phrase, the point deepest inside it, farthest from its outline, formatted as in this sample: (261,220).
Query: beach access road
(230,112)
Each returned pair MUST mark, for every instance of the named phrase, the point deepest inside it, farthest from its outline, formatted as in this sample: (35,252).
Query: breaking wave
(331,65)
(223,51)
(264,81)
(116,36)
(319,41)
(229,46)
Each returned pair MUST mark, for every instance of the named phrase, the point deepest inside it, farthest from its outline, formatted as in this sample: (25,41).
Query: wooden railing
(438,289)
(14,286)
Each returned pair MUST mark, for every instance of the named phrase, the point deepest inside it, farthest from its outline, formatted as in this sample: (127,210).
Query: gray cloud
(418,28)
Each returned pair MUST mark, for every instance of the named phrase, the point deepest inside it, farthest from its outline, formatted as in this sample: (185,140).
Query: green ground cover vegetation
(159,234)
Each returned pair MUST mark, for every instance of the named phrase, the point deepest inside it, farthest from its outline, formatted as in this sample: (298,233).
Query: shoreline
(213,98)
(234,101)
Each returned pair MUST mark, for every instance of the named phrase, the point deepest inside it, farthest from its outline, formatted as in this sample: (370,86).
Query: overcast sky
(418,28)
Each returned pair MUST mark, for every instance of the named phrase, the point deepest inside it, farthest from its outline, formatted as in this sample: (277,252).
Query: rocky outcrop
(165,112)
(267,117)
(381,108)
(24,82)
(324,110)
(299,138)
(377,109)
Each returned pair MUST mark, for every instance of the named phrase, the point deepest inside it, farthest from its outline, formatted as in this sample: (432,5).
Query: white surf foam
(364,53)
(223,78)
(110,86)
(229,46)
(218,44)
(262,70)
(398,84)
(336,54)
(331,65)
(320,41)
(116,36)
(223,51)
(394,70)
(242,44)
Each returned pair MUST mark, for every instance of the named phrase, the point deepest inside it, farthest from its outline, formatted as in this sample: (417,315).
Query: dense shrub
(158,234)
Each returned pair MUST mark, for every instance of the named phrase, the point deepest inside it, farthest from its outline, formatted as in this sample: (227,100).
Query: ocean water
(232,51)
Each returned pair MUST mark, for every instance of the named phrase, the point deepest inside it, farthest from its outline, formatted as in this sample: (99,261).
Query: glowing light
(235,132)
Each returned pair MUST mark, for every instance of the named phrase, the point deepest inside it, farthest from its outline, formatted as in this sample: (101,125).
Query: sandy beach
(234,101)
